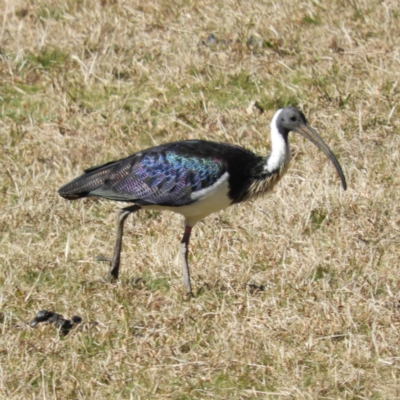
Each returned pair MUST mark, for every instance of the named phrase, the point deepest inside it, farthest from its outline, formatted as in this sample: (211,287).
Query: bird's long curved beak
(310,134)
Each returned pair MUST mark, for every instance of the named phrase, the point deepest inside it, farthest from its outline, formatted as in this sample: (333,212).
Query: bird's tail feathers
(90,180)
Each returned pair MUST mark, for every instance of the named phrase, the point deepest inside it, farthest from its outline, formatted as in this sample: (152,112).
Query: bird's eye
(293,118)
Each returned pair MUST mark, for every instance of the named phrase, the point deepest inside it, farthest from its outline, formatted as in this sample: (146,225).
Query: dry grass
(83,82)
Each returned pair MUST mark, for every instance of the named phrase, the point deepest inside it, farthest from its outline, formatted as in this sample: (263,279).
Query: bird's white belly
(206,202)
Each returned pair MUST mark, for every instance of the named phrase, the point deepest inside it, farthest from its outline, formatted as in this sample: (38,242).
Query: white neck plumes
(280,151)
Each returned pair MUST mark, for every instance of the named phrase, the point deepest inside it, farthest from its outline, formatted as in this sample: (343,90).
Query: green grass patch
(47,59)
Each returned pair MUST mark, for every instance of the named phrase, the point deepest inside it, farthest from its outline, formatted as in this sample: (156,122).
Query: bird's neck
(274,166)
(279,157)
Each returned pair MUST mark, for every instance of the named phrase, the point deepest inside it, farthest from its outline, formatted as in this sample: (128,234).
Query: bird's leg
(184,251)
(115,260)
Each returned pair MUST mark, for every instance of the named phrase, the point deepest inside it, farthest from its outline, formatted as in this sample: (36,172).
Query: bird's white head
(290,119)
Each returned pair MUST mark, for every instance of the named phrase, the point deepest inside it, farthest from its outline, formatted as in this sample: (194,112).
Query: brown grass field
(296,294)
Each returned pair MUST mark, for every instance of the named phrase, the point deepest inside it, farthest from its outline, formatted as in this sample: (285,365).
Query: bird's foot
(112,275)
(188,296)
(102,258)
(137,281)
